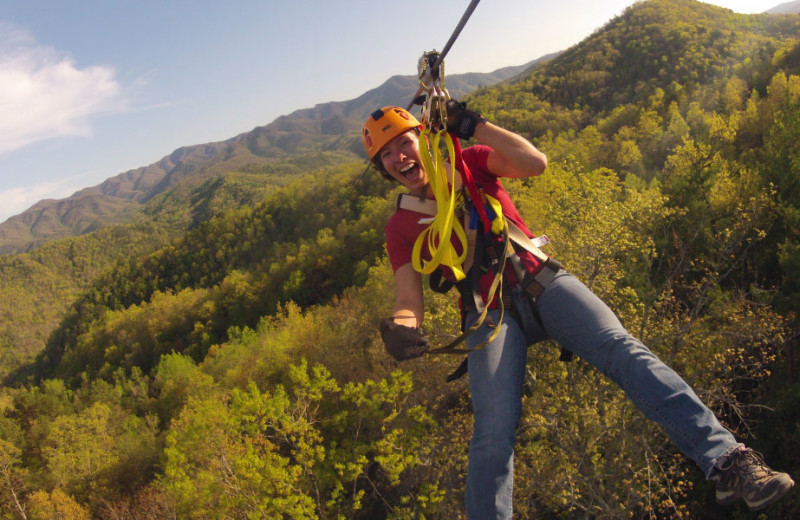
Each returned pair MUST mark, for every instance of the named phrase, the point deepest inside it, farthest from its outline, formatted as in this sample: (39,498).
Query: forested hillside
(234,370)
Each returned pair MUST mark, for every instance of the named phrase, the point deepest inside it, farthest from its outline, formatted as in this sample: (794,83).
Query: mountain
(621,61)
(124,197)
(785,8)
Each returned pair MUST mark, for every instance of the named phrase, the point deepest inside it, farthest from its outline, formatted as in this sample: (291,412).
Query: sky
(92,88)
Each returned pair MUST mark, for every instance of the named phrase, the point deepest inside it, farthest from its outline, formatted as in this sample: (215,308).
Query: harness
(488,251)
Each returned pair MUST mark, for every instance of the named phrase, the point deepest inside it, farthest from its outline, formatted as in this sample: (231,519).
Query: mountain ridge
(785,8)
(120,198)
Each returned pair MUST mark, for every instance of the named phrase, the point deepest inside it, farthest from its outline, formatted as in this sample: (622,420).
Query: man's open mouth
(410,172)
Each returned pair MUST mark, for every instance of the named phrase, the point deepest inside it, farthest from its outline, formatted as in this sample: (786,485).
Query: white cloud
(43,93)
(17,200)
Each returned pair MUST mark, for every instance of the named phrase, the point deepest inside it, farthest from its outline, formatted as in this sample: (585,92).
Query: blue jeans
(579,321)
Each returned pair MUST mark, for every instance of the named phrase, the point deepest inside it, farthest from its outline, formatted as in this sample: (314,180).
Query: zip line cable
(464,18)
(456,32)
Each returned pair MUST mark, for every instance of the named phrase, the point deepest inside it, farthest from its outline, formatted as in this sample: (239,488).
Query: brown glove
(403,342)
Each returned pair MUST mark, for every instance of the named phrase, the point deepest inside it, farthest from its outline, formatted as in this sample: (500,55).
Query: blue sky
(92,88)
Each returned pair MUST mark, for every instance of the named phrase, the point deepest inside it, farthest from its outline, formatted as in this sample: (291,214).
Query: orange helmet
(384,125)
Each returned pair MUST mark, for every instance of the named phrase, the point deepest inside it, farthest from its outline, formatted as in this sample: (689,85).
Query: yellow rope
(438,235)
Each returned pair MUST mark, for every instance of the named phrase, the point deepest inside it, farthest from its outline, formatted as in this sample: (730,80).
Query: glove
(403,342)
(460,121)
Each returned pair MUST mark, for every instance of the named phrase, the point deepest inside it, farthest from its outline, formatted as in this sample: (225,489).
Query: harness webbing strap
(520,238)
(416,204)
(532,284)
(469,182)
(481,307)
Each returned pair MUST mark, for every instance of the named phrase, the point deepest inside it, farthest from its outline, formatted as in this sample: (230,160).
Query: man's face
(400,158)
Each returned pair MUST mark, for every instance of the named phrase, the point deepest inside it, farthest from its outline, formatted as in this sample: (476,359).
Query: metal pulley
(430,69)
(431,80)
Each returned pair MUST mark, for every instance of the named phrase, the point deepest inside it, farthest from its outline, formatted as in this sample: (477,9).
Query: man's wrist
(406,320)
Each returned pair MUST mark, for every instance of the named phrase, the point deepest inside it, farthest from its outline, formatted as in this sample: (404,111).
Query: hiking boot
(744,474)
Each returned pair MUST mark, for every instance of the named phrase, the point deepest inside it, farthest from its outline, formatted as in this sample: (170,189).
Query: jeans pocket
(522,307)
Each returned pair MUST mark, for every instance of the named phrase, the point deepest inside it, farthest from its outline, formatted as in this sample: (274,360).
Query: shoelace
(752,463)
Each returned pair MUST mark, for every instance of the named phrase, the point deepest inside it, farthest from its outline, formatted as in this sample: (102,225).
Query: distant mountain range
(785,8)
(120,199)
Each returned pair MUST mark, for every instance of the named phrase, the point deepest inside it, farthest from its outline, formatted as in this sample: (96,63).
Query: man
(566,311)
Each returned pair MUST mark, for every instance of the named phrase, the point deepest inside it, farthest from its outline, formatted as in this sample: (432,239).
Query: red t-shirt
(404,227)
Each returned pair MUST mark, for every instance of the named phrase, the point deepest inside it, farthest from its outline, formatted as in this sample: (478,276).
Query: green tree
(79,452)
(56,505)
(312,450)
(176,379)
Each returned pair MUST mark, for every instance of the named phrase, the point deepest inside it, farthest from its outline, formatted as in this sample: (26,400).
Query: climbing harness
(510,236)
(488,234)
(444,224)
(524,294)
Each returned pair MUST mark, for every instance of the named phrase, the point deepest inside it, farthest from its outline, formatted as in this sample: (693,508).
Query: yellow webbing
(438,235)
(496,288)
(499,222)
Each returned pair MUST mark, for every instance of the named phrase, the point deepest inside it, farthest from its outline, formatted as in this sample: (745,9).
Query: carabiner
(428,77)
